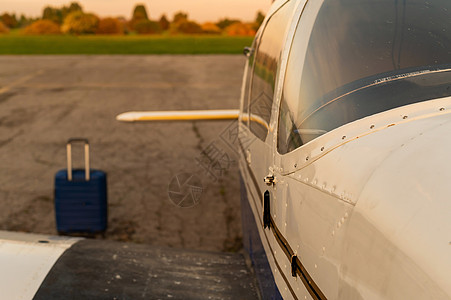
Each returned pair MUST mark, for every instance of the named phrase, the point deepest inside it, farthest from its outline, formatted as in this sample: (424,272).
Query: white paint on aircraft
(25,260)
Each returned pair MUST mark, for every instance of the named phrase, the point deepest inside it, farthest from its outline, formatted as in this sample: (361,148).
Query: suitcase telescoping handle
(69,157)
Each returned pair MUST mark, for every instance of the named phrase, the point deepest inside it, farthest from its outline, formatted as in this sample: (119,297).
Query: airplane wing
(57,267)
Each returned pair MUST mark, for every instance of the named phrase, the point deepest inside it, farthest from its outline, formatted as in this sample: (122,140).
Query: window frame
(281,65)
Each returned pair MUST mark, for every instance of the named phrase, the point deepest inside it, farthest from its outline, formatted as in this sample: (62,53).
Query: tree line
(72,19)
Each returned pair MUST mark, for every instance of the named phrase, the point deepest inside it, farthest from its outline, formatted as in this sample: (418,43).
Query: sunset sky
(198,10)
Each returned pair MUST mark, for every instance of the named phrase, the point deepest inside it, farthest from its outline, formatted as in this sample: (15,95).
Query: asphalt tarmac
(45,100)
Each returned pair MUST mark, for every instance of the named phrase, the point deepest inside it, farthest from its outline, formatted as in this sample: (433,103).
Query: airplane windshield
(363,57)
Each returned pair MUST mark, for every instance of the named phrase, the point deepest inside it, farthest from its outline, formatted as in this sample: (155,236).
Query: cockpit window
(363,57)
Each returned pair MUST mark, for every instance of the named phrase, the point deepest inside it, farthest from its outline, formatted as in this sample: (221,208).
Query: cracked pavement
(44,100)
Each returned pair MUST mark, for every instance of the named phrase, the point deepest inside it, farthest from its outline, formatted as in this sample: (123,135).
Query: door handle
(270,180)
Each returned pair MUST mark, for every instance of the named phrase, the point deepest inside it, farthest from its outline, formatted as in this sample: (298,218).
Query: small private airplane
(344,152)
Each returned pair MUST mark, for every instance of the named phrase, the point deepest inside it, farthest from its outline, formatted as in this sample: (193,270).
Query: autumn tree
(179,17)
(164,23)
(3,28)
(147,27)
(58,15)
(8,20)
(187,27)
(240,29)
(52,14)
(181,24)
(110,26)
(42,27)
(139,14)
(223,23)
(24,21)
(79,22)
(73,7)
(211,28)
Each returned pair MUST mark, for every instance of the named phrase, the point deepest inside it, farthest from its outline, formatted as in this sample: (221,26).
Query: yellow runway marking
(19,82)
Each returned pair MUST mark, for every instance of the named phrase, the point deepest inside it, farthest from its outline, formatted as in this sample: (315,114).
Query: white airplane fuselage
(367,215)
(362,209)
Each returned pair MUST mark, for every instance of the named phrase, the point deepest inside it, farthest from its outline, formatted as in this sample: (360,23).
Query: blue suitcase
(80,196)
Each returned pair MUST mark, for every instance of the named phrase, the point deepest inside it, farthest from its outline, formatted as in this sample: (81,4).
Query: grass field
(19,44)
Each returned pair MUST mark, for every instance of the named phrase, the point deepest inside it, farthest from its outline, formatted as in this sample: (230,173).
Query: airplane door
(263,66)
(257,134)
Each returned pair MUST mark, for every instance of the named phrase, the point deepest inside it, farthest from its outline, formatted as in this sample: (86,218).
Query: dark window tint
(265,69)
(363,57)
